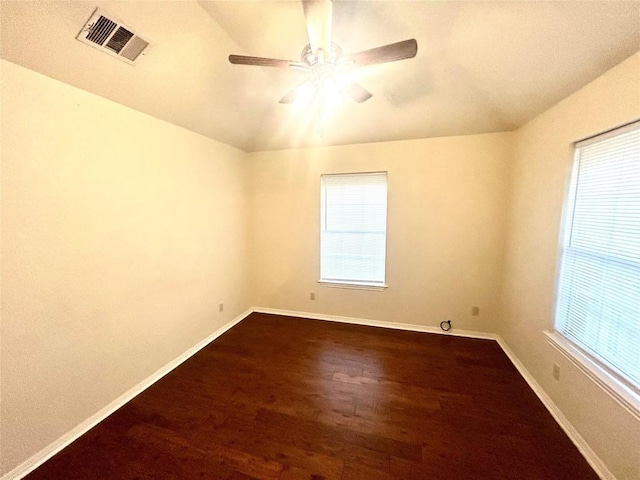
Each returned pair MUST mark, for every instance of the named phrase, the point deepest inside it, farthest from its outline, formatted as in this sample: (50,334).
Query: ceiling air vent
(105,33)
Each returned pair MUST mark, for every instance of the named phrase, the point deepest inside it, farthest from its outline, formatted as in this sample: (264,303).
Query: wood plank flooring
(287,398)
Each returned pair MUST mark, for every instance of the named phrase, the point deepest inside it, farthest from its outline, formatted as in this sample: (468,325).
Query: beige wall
(446,220)
(542,160)
(120,235)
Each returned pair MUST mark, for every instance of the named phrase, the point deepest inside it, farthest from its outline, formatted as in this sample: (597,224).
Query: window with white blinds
(353,228)
(598,296)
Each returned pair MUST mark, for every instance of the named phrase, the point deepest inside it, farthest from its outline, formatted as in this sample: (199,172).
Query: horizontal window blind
(353,228)
(598,298)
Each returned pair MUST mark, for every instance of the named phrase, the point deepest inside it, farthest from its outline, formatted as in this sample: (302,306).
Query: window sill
(352,285)
(624,394)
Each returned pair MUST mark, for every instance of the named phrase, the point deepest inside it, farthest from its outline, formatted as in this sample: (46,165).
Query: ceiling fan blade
(384,54)
(262,62)
(317,14)
(356,92)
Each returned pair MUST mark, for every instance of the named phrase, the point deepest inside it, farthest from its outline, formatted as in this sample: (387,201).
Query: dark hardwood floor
(287,398)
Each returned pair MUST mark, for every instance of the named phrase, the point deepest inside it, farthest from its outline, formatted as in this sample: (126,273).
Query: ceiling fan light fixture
(324,91)
(305,93)
(330,89)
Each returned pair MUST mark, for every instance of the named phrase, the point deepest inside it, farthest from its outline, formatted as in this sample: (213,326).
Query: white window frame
(618,387)
(350,284)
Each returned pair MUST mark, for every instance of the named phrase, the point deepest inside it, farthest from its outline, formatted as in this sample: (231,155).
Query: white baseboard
(587,452)
(42,456)
(376,323)
(50,450)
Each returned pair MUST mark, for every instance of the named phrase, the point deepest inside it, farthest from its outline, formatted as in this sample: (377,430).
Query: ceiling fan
(322,59)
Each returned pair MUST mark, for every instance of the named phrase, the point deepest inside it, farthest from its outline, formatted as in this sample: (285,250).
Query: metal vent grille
(119,39)
(109,35)
(101,30)
(134,48)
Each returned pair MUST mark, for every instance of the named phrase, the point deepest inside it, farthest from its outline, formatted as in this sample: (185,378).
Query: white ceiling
(481,66)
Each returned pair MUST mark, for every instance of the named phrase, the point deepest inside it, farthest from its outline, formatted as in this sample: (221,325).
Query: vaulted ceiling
(481,66)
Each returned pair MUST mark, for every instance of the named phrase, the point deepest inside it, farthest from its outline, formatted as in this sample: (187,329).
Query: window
(598,292)
(353,229)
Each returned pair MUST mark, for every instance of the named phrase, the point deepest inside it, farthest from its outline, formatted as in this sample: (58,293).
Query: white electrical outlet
(556,371)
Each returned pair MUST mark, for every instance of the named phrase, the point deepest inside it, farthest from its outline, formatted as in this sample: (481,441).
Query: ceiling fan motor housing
(307,56)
